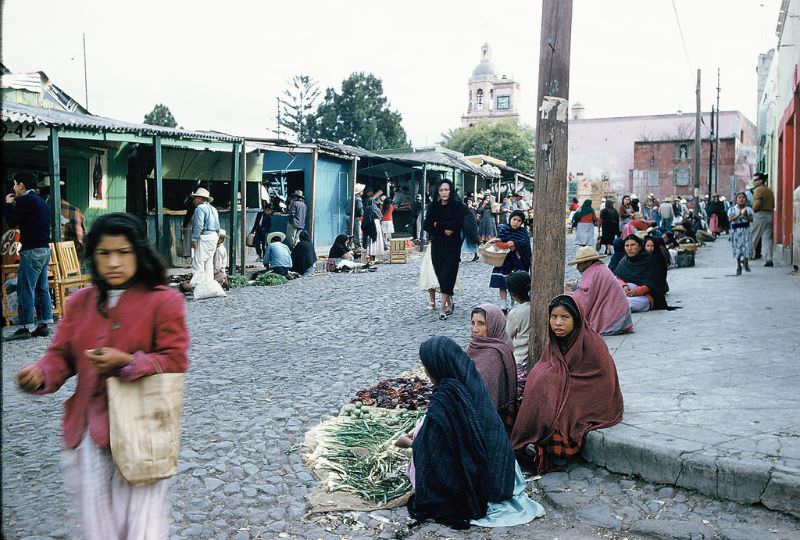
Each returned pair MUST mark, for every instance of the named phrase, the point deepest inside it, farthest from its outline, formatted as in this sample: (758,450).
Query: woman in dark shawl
(303,255)
(371,234)
(515,237)
(493,353)
(463,465)
(638,273)
(619,253)
(609,223)
(339,249)
(654,245)
(444,220)
(572,389)
(717,216)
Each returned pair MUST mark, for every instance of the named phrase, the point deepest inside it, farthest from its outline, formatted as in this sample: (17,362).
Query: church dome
(485,71)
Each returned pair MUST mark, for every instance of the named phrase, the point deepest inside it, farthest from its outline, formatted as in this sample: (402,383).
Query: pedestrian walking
(297,218)
(717,216)
(667,213)
(584,221)
(763,218)
(487,228)
(129,325)
(514,237)
(740,216)
(28,212)
(205,234)
(261,227)
(444,220)
(609,225)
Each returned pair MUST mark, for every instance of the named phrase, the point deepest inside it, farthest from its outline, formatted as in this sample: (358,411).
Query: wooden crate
(397,251)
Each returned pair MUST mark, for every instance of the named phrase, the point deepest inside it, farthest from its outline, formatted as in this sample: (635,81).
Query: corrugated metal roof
(443,158)
(14,112)
(357,151)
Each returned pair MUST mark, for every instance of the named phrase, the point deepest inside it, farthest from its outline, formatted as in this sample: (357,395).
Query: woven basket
(494,257)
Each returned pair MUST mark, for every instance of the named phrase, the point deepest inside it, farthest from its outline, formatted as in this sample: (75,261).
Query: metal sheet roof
(14,112)
(443,158)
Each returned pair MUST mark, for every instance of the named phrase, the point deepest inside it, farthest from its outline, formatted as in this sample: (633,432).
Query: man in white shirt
(667,214)
(518,320)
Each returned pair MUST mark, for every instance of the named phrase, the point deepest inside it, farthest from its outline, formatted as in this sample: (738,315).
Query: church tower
(491,97)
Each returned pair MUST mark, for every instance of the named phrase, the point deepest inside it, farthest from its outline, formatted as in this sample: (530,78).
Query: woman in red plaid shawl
(572,389)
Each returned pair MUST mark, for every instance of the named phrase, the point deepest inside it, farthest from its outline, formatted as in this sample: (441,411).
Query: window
(479,95)
(682,177)
(683,151)
(503,102)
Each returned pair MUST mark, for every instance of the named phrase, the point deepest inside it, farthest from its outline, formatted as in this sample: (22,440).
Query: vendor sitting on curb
(277,255)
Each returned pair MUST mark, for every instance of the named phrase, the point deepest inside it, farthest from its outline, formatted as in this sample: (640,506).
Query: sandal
(449,311)
(442,316)
(431,305)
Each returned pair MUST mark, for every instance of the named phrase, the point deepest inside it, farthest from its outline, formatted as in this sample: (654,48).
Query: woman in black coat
(444,220)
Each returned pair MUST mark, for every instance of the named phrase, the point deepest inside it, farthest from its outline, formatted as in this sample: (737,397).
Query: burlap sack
(144,420)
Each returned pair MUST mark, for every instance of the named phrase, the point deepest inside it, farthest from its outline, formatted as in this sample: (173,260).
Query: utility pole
(279,116)
(550,189)
(697,142)
(716,144)
(85,77)
(711,154)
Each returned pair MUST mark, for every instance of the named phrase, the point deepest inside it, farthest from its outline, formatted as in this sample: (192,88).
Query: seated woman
(636,224)
(518,322)
(493,353)
(571,390)
(600,296)
(339,250)
(303,255)
(619,253)
(662,258)
(277,255)
(642,282)
(463,469)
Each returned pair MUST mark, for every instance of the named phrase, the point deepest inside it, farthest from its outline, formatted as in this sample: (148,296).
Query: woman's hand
(30,378)
(630,292)
(404,441)
(511,245)
(107,359)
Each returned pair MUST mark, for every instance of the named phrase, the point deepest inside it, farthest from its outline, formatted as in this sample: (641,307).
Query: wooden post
(310,197)
(55,185)
(549,233)
(234,191)
(159,200)
(351,190)
(243,235)
(697,142)
(424,203)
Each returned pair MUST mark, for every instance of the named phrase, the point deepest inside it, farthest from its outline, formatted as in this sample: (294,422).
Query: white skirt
(387,227)
(376,248)
(584,234)
(108,506)
(427,275)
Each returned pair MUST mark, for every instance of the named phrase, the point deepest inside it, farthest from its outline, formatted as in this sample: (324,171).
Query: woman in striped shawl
(515,237)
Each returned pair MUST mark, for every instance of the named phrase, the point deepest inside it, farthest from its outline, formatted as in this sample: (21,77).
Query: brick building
(666,168)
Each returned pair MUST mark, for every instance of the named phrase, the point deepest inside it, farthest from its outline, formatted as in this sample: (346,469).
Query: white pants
(637,303)
(203,259)
(110,508)
(762,229)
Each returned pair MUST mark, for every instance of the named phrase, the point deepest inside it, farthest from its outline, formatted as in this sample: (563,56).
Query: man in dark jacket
(28,212)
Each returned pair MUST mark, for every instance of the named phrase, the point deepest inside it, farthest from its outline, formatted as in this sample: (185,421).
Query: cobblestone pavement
(270,363)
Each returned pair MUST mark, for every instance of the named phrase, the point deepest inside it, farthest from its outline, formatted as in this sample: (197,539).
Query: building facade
(778,136)
(492,97)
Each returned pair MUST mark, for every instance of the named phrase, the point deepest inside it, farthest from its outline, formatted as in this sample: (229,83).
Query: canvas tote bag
(144,420)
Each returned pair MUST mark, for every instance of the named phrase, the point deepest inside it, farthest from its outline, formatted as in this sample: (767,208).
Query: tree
(160,116)
(297,106)
(506,140)
(359,115)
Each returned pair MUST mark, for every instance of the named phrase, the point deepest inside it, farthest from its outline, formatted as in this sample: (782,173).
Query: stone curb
(658,458)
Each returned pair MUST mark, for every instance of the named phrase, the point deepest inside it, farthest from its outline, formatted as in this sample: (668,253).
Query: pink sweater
(149,324)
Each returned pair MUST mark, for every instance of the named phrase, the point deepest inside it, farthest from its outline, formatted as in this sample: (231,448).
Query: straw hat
(679,228)
(358,190)
(585,254)
(298,193)
(202,192)
(223,233)
(279,234)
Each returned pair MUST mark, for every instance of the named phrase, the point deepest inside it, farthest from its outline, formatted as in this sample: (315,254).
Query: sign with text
(17,131)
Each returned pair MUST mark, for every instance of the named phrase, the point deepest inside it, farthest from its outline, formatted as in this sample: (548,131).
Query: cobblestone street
(269,363)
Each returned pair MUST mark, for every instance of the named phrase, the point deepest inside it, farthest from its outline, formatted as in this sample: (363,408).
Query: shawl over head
(573,391)
(339,247)
(462,455)
(371,213)
(494,357)
(584,210)
(603,301)
(303,254)
(644,269)
(522,242)
(619,253)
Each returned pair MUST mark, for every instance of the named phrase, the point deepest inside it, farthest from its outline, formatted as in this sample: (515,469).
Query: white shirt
(518,326)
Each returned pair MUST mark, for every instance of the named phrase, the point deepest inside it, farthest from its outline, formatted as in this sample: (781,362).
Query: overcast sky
(221,65)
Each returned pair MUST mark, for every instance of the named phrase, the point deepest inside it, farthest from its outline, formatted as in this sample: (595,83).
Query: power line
(680,30)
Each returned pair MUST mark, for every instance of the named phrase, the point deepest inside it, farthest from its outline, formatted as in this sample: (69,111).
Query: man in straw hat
(297,217)
(667,213)
(205,234)
(353,229)
(600,296)
(277,255)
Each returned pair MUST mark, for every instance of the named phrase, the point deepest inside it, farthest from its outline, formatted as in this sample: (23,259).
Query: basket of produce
(687,244)
(493,255)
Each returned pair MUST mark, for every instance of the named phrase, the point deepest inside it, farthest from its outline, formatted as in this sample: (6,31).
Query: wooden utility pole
(550,188)
(697,142)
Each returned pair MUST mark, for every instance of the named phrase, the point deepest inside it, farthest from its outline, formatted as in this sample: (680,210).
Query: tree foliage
(359,115)
(297,106)
(160,116)
(507,140)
